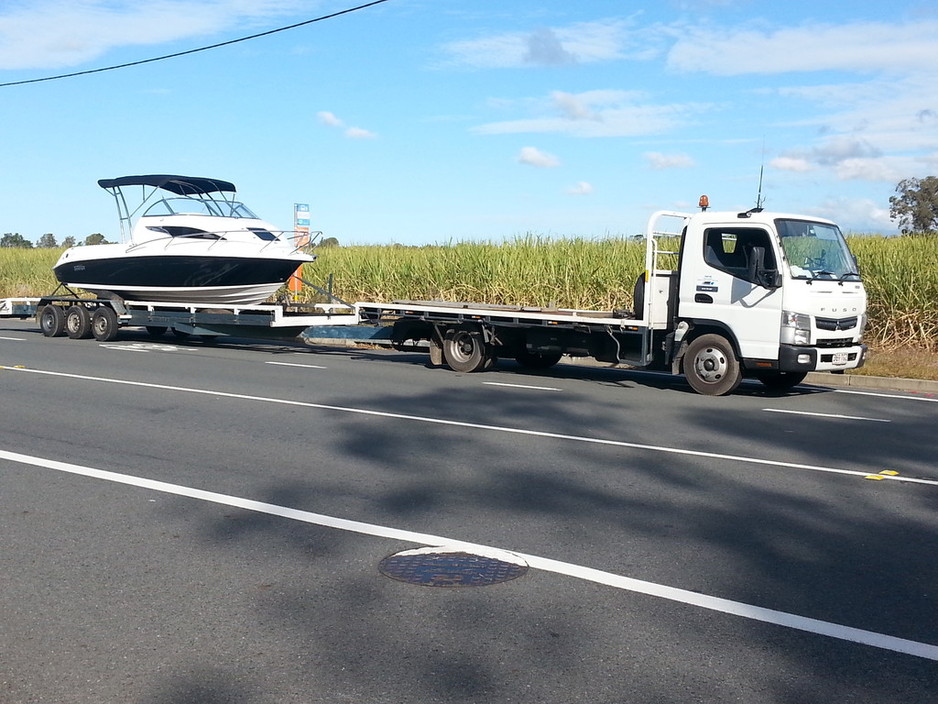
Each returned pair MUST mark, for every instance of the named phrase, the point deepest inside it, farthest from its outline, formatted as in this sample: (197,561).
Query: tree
(11,239)
(47,240)
(68,241)
(916,205)
(96,238)
(329,242)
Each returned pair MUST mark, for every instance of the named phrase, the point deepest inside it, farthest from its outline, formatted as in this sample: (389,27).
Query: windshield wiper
(844,276)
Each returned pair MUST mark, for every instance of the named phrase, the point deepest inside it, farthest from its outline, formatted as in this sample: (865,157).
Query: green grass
(900,275)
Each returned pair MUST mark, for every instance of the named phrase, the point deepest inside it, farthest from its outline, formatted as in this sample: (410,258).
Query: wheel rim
(711,364)
(463,347)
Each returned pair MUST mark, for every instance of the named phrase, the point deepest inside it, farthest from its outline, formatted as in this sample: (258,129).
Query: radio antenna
(759,199)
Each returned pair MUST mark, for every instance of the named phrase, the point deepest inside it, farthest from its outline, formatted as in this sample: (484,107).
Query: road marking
(474,426)
(879,395)
(303,366)
(14,339)
(147,347)
(521,386)
(704,601)
(826,415)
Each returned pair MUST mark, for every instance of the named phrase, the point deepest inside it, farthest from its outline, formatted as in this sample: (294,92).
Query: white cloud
(660,161)
(852,46)
(59,33)
(581,189)
(790,163)
(328,118)
(856,215)
(359,133)
(532,156)
(598,113)
(584,42)
(546,49)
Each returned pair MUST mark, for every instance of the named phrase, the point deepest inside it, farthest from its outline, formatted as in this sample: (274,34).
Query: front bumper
(795,358)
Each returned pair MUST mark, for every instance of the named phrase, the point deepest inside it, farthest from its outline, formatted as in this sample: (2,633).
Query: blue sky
(428,121)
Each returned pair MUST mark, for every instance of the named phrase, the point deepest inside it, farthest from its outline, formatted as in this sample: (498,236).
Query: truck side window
(729,249)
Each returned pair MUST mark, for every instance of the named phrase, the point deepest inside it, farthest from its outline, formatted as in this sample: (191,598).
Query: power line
(194,51)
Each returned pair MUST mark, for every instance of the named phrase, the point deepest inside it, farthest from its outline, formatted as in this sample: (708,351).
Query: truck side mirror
(758,274)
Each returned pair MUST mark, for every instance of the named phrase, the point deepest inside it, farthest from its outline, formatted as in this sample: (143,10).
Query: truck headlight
(796,328)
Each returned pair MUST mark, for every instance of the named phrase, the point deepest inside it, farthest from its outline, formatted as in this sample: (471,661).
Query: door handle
(703,298)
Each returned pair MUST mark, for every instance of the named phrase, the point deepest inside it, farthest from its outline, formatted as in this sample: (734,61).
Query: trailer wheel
(156,330)
(711,367)
(104,324)
(78,323)
(465,351)
(782,381)
(52,321)
(537,360)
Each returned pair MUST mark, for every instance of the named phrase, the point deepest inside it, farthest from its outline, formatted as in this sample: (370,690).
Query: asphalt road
(190,522)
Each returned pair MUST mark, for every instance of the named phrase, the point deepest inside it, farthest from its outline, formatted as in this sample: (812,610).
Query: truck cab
(759,294)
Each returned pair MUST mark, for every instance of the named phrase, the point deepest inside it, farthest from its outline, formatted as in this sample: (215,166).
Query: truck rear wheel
(104,324)
(711,367)
(464,350)
(52,321)
(78,322)
(537,360)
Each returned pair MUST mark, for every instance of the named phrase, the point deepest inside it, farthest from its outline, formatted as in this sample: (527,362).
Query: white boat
(188,240)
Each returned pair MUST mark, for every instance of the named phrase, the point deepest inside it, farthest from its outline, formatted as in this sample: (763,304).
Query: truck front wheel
(711,367)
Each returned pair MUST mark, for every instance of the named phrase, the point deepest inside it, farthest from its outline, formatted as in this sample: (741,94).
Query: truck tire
(52,321)
(78,323)
(104,324)
(537,360)
(711,367)
(464,350)
(782,381)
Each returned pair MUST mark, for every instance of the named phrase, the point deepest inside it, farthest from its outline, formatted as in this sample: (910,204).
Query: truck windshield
(816,250)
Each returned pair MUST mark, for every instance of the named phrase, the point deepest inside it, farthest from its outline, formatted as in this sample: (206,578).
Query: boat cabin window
(199,206)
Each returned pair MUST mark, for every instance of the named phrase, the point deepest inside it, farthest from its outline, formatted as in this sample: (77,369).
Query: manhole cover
(452,567)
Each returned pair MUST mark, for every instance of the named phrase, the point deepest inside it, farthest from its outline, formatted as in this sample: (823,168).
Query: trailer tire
(52,321)
(781,381)
(537,360)
(104,324)
(711,367)
(464,350)
(78,323)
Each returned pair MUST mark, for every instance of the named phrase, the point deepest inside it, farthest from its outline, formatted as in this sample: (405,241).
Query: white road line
(521,386)
(875,393)
(474,426)
(291,364)
(704,601)
(14,339)
(825,415)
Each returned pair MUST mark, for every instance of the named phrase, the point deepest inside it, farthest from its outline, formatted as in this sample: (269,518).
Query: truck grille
(835,342)
(836,323)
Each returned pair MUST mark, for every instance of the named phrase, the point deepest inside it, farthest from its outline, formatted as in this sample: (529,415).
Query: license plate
(839,358)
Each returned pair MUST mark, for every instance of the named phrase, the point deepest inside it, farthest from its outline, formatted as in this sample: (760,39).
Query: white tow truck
(724,295)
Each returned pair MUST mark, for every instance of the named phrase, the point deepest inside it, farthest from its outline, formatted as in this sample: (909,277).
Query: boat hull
(180,278)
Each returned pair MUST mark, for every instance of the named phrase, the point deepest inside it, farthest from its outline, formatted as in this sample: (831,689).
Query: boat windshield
(816,250)
(199,206)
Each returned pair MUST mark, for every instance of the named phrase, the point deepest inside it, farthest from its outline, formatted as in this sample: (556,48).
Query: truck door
(722,285)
